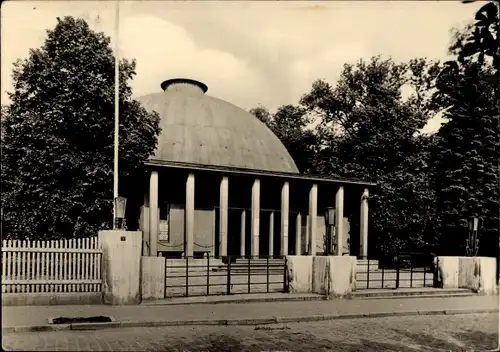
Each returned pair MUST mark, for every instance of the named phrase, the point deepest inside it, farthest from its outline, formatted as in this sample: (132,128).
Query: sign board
(163,236)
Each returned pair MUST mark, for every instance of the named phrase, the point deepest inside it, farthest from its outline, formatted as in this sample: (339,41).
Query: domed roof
(199,129)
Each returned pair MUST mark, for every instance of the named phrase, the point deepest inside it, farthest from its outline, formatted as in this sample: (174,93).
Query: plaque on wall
(163,236)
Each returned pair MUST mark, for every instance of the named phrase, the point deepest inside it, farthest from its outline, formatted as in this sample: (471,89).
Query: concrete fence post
(121,266)
(332,276)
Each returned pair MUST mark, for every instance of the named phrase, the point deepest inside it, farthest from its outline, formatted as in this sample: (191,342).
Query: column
(298,234)
(364,225)
(145,225)
(242,233)
(254,249)
(313,217)
(285,213)
(271,234)
(223,204)
(339,219)
(213,251)
(154,226)
(308,232)
(189,217)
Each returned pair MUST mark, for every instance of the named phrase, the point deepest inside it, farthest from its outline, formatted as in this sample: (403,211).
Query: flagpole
(117,109)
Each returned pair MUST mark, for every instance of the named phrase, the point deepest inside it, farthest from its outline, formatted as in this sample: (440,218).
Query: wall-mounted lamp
(120,208)
(472,244)
(330,232)
(329,216)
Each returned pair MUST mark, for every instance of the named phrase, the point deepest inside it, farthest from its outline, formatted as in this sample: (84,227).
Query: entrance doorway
(234,232)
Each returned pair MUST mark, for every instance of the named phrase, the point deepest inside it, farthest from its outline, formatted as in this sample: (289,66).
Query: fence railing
(410,270)
(51,266)
(225,276)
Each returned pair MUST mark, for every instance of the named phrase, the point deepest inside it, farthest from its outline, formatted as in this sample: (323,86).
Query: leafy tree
(370,131)
(467,154)
(57,136)
(290,125)
(481,38)
(262,114)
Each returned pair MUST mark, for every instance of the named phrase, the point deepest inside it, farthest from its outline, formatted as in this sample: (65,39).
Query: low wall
(333,276)
(448,271)
(46,299)
(475,273)
(299,273)
(152,278)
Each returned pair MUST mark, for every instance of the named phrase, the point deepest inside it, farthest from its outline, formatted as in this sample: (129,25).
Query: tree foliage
(480,38)
(290,124)
(57,136)
(370,131)
(428,185)
(467,154)
(367,129)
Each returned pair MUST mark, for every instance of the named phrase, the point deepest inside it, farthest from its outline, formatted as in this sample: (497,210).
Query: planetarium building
(221,183)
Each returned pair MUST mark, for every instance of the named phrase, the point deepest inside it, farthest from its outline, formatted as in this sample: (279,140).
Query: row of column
(255,219)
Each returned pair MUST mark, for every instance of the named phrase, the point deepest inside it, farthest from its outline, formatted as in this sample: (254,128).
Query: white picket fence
(51,266)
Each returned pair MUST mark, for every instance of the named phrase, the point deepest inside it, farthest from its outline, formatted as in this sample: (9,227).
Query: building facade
(221,183)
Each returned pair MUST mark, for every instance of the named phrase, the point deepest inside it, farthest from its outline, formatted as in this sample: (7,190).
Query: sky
(249,53)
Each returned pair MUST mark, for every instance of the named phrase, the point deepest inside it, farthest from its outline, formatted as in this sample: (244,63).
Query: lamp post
(330,230)
(472,243)
(117,116)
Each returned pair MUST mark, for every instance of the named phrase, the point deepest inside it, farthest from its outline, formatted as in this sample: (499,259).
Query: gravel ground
(416,333)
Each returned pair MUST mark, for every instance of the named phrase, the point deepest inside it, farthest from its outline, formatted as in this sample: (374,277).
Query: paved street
(417,333)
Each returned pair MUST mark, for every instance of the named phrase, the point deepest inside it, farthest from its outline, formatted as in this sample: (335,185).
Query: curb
(416,292)
(233,322)
(238,301)
(359,296)
(451,295)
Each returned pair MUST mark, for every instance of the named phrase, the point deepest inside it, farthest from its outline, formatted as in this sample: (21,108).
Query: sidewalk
(31,318)
(427,292)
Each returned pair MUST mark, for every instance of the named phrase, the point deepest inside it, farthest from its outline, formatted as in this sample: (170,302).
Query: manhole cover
(74,320)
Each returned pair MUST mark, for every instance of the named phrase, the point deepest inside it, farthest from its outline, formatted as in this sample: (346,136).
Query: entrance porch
(195,211)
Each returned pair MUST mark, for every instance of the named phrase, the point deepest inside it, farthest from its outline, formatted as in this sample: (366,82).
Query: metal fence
(229,275)
(413,270)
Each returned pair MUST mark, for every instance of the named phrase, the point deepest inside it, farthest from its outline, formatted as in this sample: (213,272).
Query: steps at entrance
(427,292)
(260,266)
(362,265)
(364,262)
(373,277)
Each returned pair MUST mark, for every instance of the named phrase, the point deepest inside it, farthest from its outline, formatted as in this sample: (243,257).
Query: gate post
(285,277)
(153,278)
(121,263)
(435,277)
